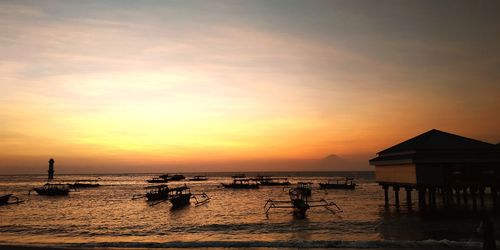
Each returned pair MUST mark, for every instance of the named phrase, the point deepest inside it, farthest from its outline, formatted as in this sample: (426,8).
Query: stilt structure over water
(445,170)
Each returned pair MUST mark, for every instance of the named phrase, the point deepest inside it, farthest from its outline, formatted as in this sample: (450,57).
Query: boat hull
(180,200)
(52,191)
(157,196)
(84,185)
(157,181)
(5,199)
(300,208)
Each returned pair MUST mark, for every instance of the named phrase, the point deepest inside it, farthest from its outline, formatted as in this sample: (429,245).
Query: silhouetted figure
(488,233)
(51,169)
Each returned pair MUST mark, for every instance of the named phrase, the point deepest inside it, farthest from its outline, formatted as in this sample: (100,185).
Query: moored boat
(300,203)
(198,178)
(53,189)
(243,183)
(175,177)
(4,199)
(160,192)
(179,196)
(299,200)
(157,180)
(273,181)
(239,176)
(85,184)
(304,188)
(344,183)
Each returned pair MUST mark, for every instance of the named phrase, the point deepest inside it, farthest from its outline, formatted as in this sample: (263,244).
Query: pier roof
(438,146)
(438,140)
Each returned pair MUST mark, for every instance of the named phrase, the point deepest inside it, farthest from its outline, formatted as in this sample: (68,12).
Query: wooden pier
(444,170)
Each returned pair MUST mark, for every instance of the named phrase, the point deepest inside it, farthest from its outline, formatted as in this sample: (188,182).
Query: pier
(444,170)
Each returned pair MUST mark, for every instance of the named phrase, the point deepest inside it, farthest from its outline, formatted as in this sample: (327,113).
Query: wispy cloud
(188,78)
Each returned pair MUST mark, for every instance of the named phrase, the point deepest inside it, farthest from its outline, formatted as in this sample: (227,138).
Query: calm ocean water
(108,217)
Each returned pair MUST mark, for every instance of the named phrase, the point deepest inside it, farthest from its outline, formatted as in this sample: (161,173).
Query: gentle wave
(287,244)
(138,230)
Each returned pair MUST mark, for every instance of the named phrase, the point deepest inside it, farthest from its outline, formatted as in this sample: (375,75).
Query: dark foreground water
(108,217)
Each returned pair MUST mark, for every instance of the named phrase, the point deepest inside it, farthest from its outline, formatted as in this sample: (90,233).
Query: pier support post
(465,197)
(473,191)
(432,198)
(421,197)
(386,196)
(494,197)
(396,195)
(408,197)
(457,194)
(481,197)
(449,197)
(444,199)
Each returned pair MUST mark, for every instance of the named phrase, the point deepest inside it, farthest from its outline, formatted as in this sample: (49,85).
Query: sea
(108,217)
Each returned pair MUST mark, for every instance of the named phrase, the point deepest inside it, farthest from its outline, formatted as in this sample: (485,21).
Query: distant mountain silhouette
(332,162)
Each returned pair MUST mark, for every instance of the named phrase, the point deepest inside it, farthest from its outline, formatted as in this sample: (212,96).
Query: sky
(138,86)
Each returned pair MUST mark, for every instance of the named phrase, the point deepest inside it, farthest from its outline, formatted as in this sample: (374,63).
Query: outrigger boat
(243,183)
(157,180)
(175,177)
(156,193)
(52,189)
(164,178)
(304,187)
(181,196)
(272,181)
(300,203)
(240,176)
(4,199)
(159,192)
(85,184)
(198,178)
(343,183)
(178,196)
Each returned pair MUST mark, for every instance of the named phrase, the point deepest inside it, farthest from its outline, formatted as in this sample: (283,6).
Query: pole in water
(51,169)
(488,229)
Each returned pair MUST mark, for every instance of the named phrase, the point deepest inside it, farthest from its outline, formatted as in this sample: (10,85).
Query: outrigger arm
(203,195)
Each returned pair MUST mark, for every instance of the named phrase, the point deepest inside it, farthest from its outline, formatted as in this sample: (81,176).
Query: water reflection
(108,214)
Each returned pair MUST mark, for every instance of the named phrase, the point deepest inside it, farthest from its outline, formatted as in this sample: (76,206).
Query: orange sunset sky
(140,86)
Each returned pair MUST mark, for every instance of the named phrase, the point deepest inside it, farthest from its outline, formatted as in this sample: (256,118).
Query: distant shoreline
(204,172)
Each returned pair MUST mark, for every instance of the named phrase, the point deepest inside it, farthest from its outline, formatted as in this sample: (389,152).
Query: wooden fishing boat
(85,184)
(343,183)
(198,178)
(160,192)
(157,180)
(239,176)
(175,177)
(300,203)
(299,200)
(243,183)
(273,181)
(304,187)
(179,196)
(4,199)
(53,189)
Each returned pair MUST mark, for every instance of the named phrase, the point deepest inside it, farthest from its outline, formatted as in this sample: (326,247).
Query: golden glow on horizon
(155,86)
